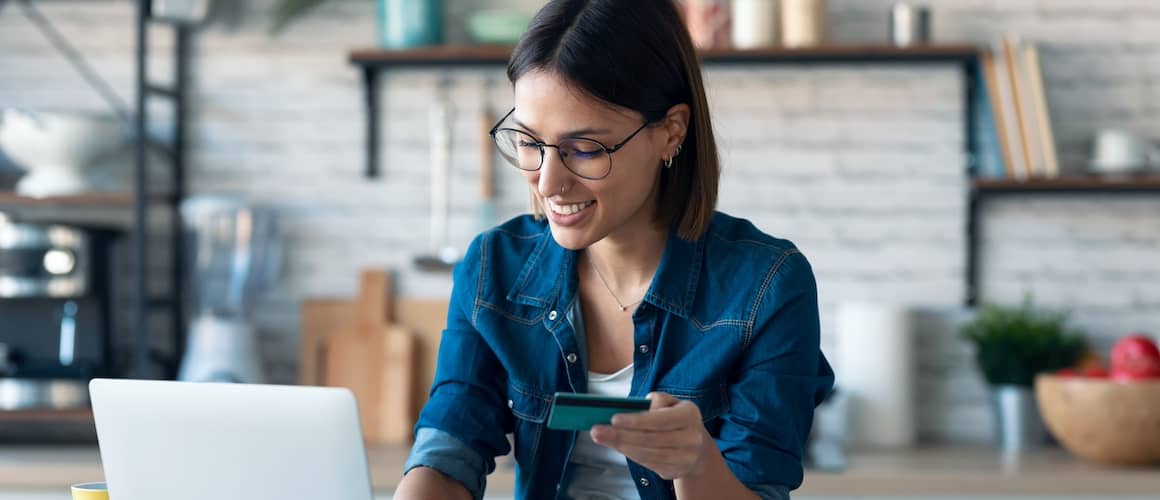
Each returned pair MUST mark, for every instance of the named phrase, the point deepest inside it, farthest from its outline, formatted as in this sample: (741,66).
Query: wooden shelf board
(117,200)
(75,415)
(1071,184)
(486,54)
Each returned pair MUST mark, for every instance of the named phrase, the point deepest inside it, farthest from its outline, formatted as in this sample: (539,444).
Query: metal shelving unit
(144,303)
(141,201)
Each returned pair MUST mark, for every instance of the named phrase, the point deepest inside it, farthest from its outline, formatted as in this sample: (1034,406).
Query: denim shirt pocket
(712,401)
(530,407)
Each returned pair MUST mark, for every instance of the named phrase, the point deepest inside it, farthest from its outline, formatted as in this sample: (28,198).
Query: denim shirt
(730,323)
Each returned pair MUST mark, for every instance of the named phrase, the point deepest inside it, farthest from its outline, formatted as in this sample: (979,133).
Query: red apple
(1095,372)
(1135,356)
(1148,372)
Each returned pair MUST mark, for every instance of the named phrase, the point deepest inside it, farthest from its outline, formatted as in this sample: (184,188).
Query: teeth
(569,209)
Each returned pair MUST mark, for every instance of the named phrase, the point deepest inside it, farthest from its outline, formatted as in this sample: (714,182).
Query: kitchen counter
(923,472)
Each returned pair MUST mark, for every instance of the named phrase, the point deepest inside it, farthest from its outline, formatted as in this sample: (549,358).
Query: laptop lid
(202,441)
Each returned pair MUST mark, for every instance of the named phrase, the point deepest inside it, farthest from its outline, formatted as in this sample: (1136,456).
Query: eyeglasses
(584,157)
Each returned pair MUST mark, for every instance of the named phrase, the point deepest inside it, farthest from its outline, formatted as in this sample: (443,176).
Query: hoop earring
(669,162)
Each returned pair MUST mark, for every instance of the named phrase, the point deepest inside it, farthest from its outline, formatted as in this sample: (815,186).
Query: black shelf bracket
(371,63)
(978,196)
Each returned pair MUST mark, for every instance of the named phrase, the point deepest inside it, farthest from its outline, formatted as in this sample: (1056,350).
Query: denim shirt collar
(549,275)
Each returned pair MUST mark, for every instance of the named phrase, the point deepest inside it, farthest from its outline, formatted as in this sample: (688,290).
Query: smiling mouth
(568,209)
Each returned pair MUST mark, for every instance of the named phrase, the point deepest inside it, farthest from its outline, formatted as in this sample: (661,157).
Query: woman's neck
(628,258)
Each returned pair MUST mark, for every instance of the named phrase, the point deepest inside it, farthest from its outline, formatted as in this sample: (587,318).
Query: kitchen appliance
(233,255)
(56,147)
(54,314)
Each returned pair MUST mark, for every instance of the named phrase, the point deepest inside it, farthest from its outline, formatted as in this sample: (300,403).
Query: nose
(554,176)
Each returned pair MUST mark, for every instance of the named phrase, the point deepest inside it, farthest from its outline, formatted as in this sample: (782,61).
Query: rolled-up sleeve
(465,423)
(441,451)
(770,491)
(783,376)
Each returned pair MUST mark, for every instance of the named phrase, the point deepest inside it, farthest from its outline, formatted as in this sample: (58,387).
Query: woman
(624,282)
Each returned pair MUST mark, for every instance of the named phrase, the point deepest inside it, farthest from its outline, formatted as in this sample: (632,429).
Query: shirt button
(571,357)
(644,348)
(552,315)
(511,404)
(644,481)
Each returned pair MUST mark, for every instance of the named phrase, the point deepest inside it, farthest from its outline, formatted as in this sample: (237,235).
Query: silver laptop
(200,441)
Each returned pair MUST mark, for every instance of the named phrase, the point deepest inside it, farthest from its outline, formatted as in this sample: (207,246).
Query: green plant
(1013,344)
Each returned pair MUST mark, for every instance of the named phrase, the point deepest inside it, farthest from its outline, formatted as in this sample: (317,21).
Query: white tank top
(597,472)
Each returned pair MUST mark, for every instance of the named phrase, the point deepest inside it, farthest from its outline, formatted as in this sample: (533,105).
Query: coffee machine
(54,314)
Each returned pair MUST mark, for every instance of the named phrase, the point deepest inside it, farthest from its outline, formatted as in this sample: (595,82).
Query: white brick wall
(861,166)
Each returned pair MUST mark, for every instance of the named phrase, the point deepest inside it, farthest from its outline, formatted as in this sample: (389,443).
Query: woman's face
(582,211)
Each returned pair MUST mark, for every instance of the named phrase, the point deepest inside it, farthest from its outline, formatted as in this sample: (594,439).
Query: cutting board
(426,319)
(320,318)
(423,318)
(375,359)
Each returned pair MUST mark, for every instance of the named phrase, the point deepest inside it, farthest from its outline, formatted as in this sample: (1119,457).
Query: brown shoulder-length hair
(635,54)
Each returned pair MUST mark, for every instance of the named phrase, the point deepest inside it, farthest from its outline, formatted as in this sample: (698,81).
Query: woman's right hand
(425,483)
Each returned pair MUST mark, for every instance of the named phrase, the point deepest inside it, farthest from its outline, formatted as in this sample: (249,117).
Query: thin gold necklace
(623,307)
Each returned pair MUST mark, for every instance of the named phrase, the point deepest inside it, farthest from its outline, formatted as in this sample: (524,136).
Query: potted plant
(1012,345)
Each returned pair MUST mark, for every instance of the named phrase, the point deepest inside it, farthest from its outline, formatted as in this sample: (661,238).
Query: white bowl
(56,146)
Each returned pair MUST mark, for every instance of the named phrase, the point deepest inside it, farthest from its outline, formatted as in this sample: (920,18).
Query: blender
(233,255)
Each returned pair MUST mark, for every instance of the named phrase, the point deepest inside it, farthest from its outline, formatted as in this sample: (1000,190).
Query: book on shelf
(990,148)
(1021,103)
(1045,136)
(1015,122)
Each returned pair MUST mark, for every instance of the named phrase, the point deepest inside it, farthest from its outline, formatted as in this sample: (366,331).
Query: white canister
(803,23)
(754,23)
(875,368)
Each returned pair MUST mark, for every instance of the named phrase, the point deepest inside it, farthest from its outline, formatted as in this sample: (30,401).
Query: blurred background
(973,181)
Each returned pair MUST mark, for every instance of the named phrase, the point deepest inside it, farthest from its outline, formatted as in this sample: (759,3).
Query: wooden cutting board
(423,318)
(373,358)
(320,318)
(426,319)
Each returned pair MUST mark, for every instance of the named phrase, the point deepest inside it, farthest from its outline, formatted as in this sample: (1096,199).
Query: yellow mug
(90,491)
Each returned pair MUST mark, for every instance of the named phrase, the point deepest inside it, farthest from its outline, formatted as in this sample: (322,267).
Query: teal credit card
(579,412)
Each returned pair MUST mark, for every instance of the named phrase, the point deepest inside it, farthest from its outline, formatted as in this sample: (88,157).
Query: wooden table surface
(921,472)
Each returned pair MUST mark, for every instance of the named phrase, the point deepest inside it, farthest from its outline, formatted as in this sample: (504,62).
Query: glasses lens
(519,149)
(586,158)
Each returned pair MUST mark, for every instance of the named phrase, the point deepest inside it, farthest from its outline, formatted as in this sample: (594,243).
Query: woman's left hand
(669,439)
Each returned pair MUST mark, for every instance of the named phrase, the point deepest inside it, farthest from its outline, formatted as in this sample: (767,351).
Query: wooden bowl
(1101,420)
